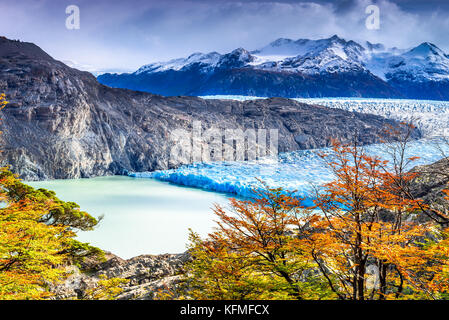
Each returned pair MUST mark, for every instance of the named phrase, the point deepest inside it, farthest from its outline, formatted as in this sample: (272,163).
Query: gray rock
(147,274)
(428,186)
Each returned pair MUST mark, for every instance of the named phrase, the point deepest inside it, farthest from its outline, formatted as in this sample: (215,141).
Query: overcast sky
(124,35)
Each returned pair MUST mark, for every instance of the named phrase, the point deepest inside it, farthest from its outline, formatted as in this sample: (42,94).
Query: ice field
(294,171)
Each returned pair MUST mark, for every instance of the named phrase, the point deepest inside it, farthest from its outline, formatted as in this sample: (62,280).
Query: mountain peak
(336,38)
(235,59)
(425,49)
(239,51)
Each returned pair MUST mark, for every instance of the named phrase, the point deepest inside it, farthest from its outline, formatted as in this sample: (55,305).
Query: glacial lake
(141,216)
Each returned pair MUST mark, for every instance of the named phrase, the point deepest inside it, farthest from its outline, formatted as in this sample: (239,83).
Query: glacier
(299,171)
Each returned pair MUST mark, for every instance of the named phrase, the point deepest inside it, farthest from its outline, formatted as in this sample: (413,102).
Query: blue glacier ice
(294,171)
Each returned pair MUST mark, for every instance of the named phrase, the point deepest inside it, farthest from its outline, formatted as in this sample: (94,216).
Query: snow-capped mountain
(301,56)
(209,60)
(425,62)
(311,56)
(300,68)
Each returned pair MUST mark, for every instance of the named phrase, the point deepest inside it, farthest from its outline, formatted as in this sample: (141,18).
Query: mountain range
(332,67)
(62,123)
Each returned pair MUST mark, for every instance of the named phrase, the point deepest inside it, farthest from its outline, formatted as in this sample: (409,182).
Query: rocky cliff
(61,123)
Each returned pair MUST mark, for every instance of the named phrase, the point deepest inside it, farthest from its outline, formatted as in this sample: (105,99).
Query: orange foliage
(360,241)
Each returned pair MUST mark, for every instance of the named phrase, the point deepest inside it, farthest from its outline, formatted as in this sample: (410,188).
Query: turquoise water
(141,216)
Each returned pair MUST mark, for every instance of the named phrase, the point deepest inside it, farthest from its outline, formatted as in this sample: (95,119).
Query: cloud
(128,34)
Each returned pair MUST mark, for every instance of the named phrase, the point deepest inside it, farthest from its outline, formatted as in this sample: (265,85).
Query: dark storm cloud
(126,34)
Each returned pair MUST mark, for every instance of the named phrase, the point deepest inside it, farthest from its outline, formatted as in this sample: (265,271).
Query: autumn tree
(361,239)
(37,238)
(363,218)
(60,213)
(30,251)
(220,273)
(255,252)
